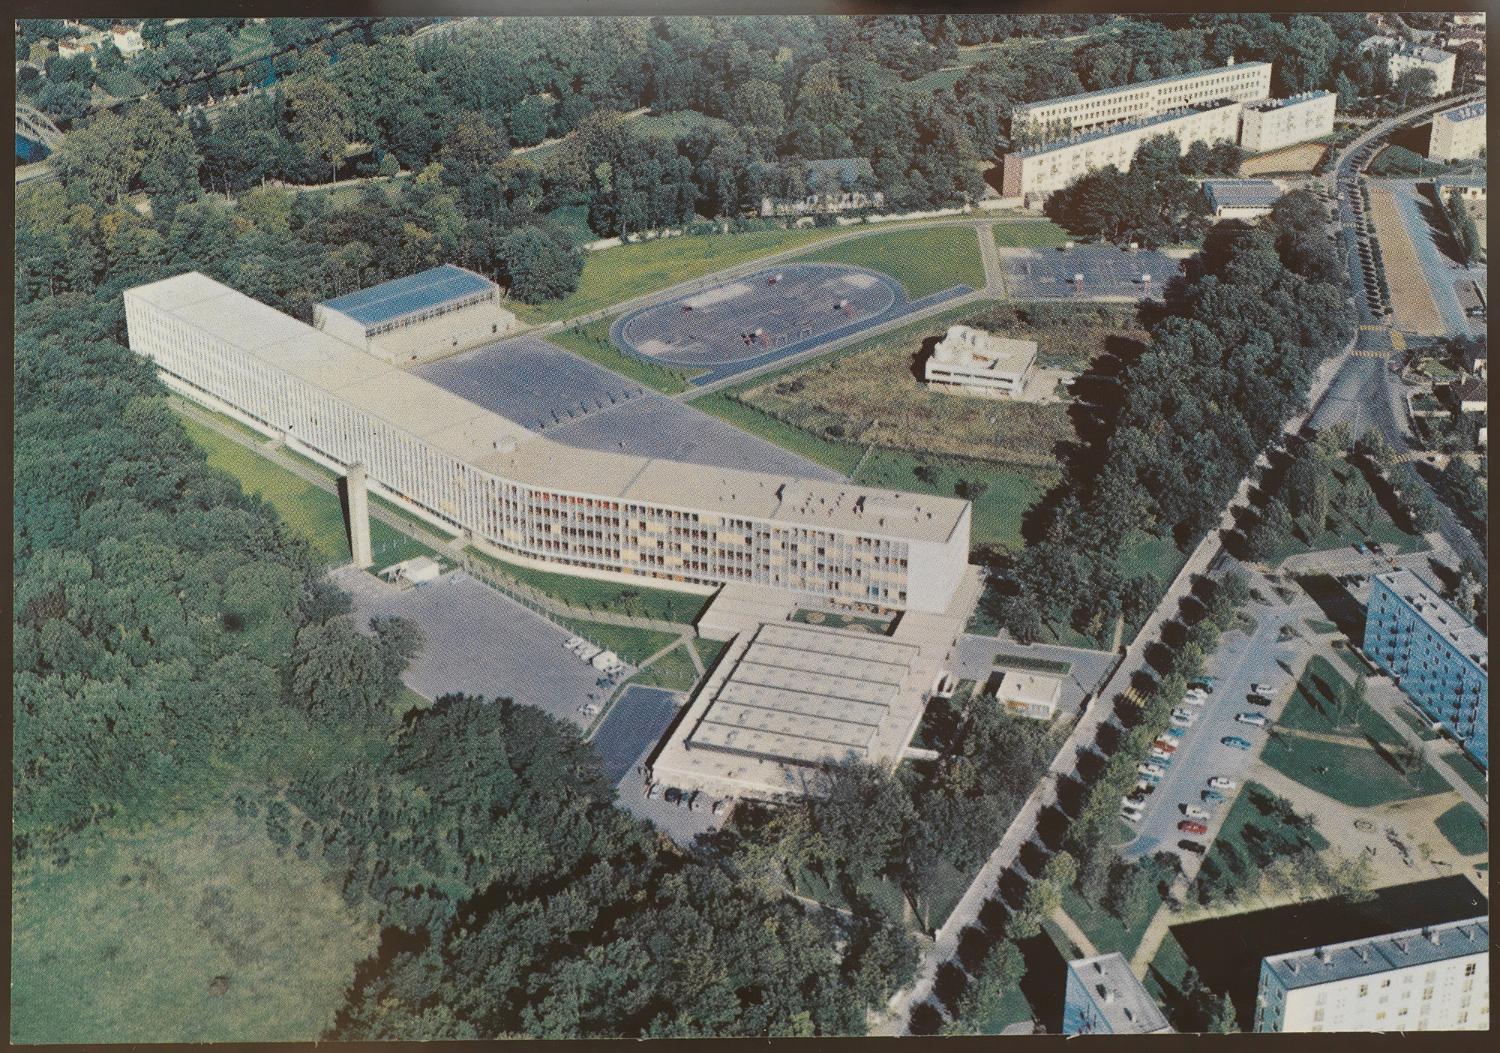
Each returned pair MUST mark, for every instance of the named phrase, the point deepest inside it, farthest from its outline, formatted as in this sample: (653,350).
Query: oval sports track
(772,314)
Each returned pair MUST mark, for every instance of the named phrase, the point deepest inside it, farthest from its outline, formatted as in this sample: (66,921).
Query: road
(1365,394)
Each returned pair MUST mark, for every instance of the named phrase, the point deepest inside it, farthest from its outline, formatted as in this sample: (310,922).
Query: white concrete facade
(1433,979)
(1405,56)
(1275,123)
(1038,172)
(524,496)
(975,362)
(1458,133)
(1243,82)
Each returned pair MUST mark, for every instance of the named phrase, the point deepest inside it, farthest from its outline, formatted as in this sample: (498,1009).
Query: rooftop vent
(1324,955)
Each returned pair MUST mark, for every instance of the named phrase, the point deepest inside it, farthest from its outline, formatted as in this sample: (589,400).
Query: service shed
(1240,198)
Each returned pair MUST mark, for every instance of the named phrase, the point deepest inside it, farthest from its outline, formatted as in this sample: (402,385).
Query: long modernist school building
(508,489)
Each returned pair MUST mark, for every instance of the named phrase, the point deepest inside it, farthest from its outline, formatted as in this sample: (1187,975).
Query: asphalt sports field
(1048,274)
(728,328)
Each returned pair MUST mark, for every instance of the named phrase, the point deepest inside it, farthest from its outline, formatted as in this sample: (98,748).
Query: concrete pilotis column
(359,516)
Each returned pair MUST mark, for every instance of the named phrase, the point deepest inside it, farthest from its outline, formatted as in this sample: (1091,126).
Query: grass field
(674,671)
(593,343)
(1378,527)
(1355,775)
(840,456)
(310,510)
(1469,772)
(611,276)
(1107,932)
(708,651)
(1313,707)
(632,644)
(1465,830)
(1008,491)
(664,604)
(1039,234)
(1036,665)
(1249,833)
(125,944)
(924,260)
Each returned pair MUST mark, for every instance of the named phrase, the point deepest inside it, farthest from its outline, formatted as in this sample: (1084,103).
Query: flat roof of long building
(1124,127)
(806,695)
(1141,84)
(1266,105)
(1439,614)
(501,447)
(411,294)
(1241,193)
(1119,999)
(1399,950)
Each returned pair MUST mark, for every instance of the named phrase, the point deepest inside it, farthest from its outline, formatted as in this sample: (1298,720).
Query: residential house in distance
(1103,997)
(1053,118)
(1240,198)
(1405,56)
(127,40)
(1273,123)
(973,362)
(840,184)
(1458,133)
(1431,979)
(1437,658)
(1470,396)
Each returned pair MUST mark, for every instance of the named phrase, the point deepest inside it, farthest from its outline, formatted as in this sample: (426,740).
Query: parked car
(1144,788)
(1236,742)
(1175,734)
(1377,548)
(1213,796)
(1165,745)
(1131,815)
(1205,683)
(1358,548)
(1195,698)
(673,795)
(1187,826)
(1222,782)
(1151,769)
(1159,755)
(1152,777)
(1265,690)
(1253,719)
(1182,720)
(653,792)
(1192,811)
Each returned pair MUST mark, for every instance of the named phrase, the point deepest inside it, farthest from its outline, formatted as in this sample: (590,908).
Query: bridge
(37,126)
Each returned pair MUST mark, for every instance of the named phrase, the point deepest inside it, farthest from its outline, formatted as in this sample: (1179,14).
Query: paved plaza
(1108,272)
(478,642)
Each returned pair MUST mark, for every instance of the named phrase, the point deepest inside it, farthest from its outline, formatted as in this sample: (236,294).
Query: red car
(1187,826)
(1165,745)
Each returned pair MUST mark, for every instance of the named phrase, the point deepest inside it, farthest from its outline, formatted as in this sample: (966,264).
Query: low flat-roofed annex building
(1240,198)
(1436,656)
(1431,979)
(1028,694)
(1243,82)
(510,491)
(1458,133)
(975,362)
(1103,997)
(1274,123)
(1034,173)
(440,311)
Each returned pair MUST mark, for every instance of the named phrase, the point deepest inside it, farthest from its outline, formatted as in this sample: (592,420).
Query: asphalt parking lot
(629,735)
(653,425)
(1048,274)
(478,642)
(527,380)
(978,656)
(1442,272)
(1240,661)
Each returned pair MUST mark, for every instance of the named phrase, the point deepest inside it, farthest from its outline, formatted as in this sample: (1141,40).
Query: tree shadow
(949,985)
(1045,981)
(973,944)
(1342,609)
(925,1019)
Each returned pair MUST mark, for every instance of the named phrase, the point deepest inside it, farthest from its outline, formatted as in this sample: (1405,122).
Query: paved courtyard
(478,642)
(627,738)
(1108,271)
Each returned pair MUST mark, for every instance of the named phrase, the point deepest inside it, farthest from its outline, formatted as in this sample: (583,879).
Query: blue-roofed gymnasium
(415,297)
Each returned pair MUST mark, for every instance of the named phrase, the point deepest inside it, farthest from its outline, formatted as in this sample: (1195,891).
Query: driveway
(1441,269)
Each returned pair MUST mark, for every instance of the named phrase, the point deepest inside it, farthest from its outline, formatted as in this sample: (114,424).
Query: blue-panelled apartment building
(1435,655)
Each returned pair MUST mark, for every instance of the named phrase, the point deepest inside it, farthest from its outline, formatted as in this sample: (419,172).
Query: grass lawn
(611,276)
(1165,974)
(1143,553)
(1008,492)
(1038,234)
(708,651)
(593,343)
(1352,660)
(1355,775)
(1251,838)
(1470,773)
(924,260)
(1037,665)
(837,620)
(1312,707)
(1107,932)
(840,456)
(674,671)
(124,945)
(1382,530)
(632,644)
(1421,727)
(1465,830)
(310,510)
(664,604)
(880,891)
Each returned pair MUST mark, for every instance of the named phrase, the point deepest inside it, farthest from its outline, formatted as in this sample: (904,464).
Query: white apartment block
(1458,133)
(1034,173)
(1274,123)
(974,362)
(491,481)
(1405,56)
(1430,979)
(1244,82)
